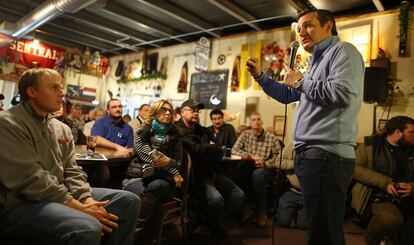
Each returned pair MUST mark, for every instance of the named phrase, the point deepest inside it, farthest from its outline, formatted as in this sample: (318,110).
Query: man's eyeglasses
(116,106)
(192,110)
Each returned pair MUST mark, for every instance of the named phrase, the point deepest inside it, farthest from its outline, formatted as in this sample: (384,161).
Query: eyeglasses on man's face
(192,110)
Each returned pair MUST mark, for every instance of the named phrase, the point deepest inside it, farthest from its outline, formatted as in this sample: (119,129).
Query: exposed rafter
(88,44)
(90,20)
(139,23)
(301,5)
(90,36)
(180,15)
(93,37)
(235,11)
(213,29)
(378,4)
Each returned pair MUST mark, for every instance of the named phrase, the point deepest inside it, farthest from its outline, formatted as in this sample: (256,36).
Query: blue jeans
(221,195)
(160,188)
(324,180)
(55,223)
(291,205)
(258,179)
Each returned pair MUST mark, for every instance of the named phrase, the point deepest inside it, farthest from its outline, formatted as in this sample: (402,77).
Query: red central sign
(31,54)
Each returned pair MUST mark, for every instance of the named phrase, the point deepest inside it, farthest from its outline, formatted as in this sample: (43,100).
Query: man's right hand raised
(252,65)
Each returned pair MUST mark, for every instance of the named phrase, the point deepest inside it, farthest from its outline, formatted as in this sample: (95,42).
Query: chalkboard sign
(210,88)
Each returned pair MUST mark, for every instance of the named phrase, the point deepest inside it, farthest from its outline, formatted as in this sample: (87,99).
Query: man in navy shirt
(112,131)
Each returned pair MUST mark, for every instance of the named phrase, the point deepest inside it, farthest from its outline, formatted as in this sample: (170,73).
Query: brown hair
(142,106)
(255,113)
(109,102)
(323,16)
(155,108)
(398,122)
(30,78)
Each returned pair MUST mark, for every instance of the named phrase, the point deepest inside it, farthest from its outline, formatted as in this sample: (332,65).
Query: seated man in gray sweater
(44,196)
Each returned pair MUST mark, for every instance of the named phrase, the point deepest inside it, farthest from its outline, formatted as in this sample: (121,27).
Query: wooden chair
(178,207)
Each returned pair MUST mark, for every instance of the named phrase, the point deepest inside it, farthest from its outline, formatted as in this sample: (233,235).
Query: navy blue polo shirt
(120,133)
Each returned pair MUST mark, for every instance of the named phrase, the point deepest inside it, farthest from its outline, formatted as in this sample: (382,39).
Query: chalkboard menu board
(210,88)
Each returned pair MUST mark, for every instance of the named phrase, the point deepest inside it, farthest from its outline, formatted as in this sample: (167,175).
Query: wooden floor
(253,235)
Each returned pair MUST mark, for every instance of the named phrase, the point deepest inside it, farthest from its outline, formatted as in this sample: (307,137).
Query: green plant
(404,20)
(151,76)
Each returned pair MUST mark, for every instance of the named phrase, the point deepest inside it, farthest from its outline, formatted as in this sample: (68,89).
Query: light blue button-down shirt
(330,98)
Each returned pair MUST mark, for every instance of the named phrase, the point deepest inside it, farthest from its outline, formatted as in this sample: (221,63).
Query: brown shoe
(247,216)
(262,220)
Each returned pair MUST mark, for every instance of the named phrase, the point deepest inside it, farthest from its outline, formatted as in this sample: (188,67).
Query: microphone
(293,49)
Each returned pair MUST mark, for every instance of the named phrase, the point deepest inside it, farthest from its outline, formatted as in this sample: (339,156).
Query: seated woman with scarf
(155,180)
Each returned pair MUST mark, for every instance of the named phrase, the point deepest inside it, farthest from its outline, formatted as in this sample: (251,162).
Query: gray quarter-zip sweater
(330,98)
(37,160)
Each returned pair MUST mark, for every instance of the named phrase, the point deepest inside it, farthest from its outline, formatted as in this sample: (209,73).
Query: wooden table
(105,173)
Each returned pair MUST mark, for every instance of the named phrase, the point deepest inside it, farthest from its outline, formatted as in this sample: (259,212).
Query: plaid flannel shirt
(266,146)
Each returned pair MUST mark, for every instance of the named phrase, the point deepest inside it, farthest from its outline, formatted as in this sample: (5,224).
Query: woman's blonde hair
(155,109)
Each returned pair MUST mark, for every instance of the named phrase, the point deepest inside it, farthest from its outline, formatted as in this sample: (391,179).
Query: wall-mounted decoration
(278,125)
(202,54)
(404,28)
(235,75)
(31,53)
(221,59)
(151,63)
(182,83)
(258,55)
(210,88)
(252,104)
(381,126)
(93,64)
(201,58)
(244,74)
(80,95)
(136,72)
(164,65)
(274,57)
(5,41)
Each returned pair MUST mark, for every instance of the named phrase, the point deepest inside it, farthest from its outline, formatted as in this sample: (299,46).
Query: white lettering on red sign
(36,50)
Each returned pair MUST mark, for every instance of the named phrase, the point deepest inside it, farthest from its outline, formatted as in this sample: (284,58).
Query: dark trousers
(392,221)
(324,180)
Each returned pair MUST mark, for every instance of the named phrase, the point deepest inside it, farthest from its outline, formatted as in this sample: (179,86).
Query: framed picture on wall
(278,122)
(251,106)
(381,126)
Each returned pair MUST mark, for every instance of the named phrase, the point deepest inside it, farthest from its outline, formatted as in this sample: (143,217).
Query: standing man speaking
(326,122)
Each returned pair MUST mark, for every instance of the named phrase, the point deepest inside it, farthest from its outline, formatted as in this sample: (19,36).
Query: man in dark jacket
(214,191)
(385,179)
(223,133)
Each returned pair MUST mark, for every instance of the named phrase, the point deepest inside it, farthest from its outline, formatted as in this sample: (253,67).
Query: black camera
(384,197)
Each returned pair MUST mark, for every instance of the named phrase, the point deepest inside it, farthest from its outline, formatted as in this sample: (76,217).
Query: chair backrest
(186,173)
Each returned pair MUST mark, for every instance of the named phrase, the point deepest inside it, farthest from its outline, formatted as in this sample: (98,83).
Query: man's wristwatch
(259,77)
(297,84)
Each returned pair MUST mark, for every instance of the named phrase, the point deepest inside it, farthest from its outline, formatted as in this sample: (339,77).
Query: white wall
(136,94)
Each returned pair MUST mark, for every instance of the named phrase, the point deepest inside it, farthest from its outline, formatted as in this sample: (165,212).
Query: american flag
(85,93)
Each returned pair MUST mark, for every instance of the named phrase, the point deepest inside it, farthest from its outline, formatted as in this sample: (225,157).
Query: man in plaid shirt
(261,150)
